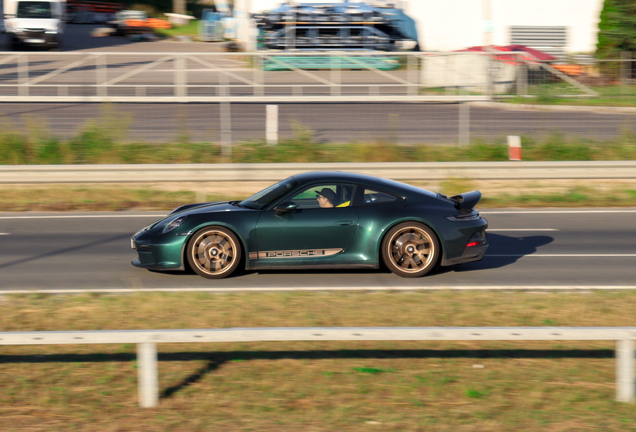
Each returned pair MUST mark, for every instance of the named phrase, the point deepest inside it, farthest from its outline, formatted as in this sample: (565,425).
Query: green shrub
(557,148)
(90,144)
(13,149)
(52,151)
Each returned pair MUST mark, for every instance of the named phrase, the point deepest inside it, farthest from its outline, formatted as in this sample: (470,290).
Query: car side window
(377,197)
(327,195)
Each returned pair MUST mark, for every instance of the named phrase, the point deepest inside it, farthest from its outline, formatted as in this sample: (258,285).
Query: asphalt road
(528,248)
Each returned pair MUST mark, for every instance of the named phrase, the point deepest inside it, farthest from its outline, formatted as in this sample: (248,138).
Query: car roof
(379,182)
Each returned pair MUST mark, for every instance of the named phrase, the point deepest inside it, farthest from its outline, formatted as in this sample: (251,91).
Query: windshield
(269,195)
(34,9)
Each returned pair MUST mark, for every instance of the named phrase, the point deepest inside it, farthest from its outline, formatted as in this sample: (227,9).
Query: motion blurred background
(319,82)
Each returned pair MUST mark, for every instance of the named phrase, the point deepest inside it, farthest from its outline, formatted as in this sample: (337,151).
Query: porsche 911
(319,220)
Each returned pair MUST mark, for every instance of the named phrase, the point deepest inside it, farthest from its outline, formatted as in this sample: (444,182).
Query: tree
(617,28)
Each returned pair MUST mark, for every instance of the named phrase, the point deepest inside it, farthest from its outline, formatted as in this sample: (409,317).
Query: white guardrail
(403,171)
(146,341)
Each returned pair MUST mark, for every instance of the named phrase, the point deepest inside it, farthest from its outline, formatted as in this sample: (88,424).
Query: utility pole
(179,6)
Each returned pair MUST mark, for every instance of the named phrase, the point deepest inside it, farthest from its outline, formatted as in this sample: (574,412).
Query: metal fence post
(335,75)
(447,74)
(226,130)
(412,63)
(101,75)
(625,370)
(23,75)
(522,78)
(464,124)
(180,79)
(258,75)
(490,84)
(148,380)
(225,117)
(271,124)
(625,63)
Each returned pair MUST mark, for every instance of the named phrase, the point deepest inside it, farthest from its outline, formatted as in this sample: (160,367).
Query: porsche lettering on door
(298,253)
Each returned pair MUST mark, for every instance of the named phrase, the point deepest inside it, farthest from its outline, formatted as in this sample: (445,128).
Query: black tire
(214,252)
(410,249)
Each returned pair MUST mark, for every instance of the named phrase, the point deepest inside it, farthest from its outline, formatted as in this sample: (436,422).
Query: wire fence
(280,77)
(423,123)
(405,98)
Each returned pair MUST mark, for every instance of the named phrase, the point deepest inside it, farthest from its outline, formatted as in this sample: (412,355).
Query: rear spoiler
(467,200)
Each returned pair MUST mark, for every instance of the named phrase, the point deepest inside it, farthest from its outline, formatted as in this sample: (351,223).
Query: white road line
(5,234)
(522,229)
(356,288)
(486,212)
(83,216)
(561,255)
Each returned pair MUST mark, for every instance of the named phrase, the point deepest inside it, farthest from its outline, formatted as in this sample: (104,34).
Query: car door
(308,232)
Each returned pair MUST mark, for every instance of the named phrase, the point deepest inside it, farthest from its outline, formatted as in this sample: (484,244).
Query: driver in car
(326,198)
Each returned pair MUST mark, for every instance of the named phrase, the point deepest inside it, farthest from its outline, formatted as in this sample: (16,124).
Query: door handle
(345,223)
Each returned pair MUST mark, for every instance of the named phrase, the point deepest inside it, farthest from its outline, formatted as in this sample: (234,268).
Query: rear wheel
(214,252)
(410,249)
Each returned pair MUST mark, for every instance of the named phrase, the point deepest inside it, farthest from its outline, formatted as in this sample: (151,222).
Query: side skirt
(312,266)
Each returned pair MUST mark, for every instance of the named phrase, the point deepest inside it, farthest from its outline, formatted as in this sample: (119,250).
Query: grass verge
(609,95)
(326,386)
(103,141)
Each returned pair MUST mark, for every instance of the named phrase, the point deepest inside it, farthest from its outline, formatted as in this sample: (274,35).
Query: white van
(34,22)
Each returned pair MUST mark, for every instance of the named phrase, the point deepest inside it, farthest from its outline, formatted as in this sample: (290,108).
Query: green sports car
(330,220)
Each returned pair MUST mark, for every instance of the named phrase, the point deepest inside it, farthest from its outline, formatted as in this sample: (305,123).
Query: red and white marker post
(514,147)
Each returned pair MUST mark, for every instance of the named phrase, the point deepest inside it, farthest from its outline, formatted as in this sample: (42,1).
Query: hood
(183,208)
(210,207)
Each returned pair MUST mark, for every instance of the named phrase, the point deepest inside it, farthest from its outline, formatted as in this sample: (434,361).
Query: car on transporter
(318,220)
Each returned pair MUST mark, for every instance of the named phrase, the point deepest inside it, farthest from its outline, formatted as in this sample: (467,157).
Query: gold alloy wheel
(214,252)
(410,249)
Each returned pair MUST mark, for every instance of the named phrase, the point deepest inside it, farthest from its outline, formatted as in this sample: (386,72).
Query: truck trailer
(336,26)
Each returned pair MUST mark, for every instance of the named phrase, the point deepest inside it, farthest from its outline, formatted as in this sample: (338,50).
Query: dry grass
(496,193)
(388,386)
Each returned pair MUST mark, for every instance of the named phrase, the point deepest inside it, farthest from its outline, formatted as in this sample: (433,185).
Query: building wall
(457,24)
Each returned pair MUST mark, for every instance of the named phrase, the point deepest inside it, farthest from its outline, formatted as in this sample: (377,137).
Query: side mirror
(288,207)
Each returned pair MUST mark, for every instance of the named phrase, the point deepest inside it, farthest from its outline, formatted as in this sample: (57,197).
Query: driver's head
(326,197)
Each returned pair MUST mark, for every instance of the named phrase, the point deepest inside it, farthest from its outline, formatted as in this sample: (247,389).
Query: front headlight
(173,224)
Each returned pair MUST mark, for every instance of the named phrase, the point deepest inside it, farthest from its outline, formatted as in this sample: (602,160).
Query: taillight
(472,244)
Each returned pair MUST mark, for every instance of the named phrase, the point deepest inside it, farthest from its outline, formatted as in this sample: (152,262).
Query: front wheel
(410,249)
(214,252)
